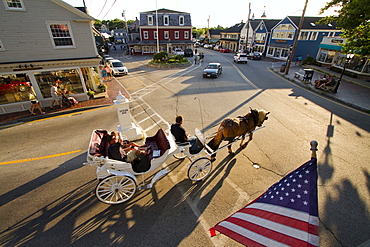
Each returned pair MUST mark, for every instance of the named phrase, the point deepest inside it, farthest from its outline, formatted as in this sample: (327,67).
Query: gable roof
(74,10)
(234,29)
(270,23)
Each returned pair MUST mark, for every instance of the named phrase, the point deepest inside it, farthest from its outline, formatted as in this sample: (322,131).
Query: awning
(331,47)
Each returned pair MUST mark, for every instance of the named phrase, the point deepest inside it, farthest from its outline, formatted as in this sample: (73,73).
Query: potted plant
(91,94)
(102,87)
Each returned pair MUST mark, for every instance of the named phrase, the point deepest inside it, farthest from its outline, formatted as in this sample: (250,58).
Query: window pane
(14,3)
(13,88)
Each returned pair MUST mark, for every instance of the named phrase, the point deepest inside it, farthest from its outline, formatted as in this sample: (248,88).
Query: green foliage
(353,19)
(162,58)
(308,60)
(112,24)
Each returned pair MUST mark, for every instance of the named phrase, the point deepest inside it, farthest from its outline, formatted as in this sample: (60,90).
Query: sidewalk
(352,91)
(114,87)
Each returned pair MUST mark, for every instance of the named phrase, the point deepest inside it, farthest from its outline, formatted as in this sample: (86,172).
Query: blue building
(309,39)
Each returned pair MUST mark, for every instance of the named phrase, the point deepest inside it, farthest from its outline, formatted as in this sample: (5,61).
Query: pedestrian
(55,95)
(195,58)
(108,70)
(202,57)
(34,101)
(104,73)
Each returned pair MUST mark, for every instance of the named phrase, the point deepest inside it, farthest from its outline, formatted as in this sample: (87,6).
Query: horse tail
(216,141)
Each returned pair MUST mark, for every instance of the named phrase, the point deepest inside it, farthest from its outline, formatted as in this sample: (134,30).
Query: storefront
(77,78)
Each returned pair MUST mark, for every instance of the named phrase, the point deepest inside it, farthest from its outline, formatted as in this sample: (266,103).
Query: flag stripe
(258,239)
(291,213)
(299,224)
(285,215)
(289,234)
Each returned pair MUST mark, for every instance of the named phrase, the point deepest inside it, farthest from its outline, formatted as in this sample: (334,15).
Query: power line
(110,8)
(102,8)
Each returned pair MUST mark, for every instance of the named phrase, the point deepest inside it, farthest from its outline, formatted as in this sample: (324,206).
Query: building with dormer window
(174,31)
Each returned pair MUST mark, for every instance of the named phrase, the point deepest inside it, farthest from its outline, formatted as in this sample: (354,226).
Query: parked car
(241,58)
(212,70)
(225,50)
(118,67)
(178,51)
(12,86)
(255,55)
(188,53)
(216,47)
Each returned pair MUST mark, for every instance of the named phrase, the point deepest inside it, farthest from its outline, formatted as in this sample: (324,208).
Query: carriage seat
(159,144)
(98,143)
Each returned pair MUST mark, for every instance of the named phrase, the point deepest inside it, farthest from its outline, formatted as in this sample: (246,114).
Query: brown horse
(236,127)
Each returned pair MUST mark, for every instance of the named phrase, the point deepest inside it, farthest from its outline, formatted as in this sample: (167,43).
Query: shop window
(68,79)
(14,5)
(61,35)
(14,88)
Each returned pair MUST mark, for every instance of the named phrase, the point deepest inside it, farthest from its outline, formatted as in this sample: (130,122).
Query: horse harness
(254,116)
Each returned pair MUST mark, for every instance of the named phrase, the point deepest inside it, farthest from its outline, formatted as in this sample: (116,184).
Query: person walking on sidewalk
(108,69)
(55,95)
(34,101)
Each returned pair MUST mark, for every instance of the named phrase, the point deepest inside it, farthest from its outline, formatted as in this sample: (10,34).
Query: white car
(118,67)
(241,58)
(178,51)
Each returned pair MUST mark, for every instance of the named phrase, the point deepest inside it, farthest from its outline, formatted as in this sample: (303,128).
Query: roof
(270,23)
(165,11)
(234,29)
(215,31)
(76,11)
(310,23)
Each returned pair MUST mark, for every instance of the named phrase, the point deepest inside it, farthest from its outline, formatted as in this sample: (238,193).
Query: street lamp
(348,58)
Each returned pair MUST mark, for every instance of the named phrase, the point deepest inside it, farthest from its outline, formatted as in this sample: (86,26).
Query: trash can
(308,74)
(283,67)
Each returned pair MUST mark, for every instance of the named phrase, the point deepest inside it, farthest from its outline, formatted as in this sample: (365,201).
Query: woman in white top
(54,94)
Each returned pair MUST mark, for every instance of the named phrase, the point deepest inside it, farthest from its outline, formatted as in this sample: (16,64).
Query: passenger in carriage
(123,150)
(180,134)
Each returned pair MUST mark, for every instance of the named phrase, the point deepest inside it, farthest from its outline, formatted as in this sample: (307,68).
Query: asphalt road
(47,196)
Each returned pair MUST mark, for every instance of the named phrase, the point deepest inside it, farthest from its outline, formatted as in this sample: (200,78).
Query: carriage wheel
(199,169)
(180,155)
(115,189)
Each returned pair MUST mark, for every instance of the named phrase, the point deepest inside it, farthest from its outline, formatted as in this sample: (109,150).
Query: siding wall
(29,30)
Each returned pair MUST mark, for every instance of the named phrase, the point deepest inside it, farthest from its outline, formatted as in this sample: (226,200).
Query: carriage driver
(180,134)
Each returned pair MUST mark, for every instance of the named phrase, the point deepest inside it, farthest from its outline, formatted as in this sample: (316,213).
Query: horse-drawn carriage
(118,180)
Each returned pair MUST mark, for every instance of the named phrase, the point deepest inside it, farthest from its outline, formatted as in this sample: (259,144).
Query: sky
(224,14)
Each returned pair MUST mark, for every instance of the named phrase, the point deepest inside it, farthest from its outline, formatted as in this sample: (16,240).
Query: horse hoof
(231,152)
(213,159)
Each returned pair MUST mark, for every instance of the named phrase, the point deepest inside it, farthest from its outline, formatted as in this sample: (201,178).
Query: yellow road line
(39,158)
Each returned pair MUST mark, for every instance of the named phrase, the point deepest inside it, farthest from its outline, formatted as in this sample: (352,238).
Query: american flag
(285,215)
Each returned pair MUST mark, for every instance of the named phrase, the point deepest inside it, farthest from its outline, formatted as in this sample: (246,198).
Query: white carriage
(118,180)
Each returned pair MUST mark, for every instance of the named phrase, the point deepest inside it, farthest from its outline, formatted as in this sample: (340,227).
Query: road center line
(39,158)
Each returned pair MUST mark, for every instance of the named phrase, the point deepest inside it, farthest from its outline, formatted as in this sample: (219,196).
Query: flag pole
(313,148)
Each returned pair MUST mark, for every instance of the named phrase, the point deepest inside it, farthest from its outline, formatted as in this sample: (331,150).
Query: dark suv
(188,53)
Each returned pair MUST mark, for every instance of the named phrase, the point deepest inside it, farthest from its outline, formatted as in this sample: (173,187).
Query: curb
(323,93)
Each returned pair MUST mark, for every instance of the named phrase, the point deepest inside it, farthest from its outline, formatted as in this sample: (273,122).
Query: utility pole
(156,21)
(247,39)
(296,39)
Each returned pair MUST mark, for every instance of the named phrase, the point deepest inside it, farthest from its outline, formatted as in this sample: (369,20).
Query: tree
(354,20)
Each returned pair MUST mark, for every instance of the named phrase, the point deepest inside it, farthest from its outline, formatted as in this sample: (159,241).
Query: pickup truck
(178,51)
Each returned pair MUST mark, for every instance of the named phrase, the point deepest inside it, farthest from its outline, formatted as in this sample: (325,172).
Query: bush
(162,58)
(308,60)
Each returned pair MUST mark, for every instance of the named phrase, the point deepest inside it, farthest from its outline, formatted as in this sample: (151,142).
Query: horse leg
(229,147)
(241,142)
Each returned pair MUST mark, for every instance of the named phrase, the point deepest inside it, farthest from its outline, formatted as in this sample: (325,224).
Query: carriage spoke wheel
(180,155)
(115,189)
(199,169)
